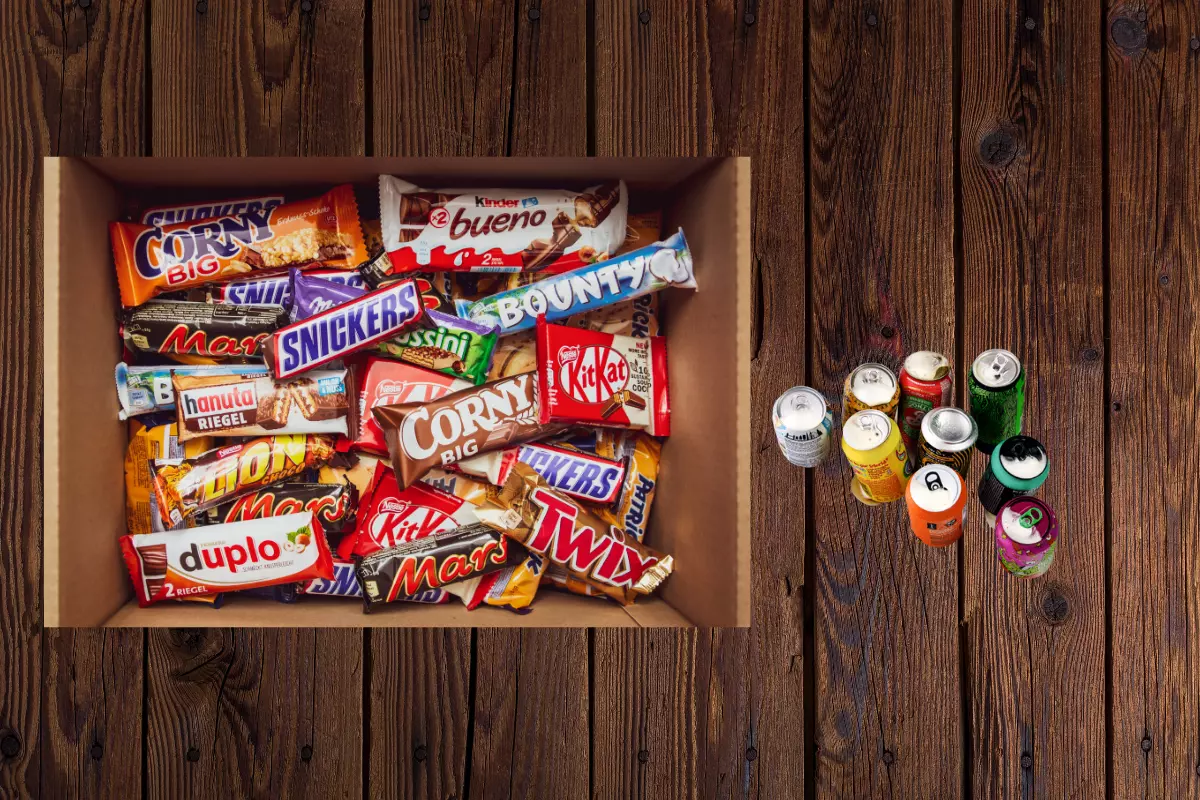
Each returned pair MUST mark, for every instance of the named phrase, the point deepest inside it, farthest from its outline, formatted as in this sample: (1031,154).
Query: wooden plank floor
(937,174)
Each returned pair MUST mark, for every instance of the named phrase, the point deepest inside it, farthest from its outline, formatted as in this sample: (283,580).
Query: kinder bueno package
(320,401)
(145,390)
(431,562)
(390,515)
(602,379)
(322,231)
(185,487)
(581,475)
(335,505)
(498,230)
(467,423)
(385,382)
(571,536)
(200,333)
(446,343)
(276,289)
(626,277)
(169,215)
(150,445)
(226,558)
(344,329)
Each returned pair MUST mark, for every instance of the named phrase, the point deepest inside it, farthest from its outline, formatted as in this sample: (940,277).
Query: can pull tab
(1030,517)
(933,482)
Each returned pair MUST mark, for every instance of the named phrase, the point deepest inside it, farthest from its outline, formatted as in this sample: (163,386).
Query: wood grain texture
(882,216)
(443,77)
(260,78)
(1032,260)
(1154,329)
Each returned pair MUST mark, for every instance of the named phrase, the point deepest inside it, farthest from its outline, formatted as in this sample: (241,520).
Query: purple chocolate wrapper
(313,295)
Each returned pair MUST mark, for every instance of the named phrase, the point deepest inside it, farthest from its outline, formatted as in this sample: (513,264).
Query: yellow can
(872,444)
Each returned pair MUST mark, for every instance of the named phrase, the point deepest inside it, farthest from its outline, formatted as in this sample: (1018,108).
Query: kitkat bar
(602,379)
(320,401)
(200,333)
(384,382)
(226,558)
(467,423)
(185,487)
(344,329)
(571,536)
(321,231)
(497,230)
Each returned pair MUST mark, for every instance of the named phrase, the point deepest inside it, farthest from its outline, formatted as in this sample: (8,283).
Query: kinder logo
(486,202)
(393,392)
(218,400)
(397,522)
(594,374)
(423,434)
(485,224)
(194,251)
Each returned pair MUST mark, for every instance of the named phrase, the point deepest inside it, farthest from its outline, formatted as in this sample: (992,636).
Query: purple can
(1026,536)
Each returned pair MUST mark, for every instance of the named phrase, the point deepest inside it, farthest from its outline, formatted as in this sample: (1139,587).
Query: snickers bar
(587,477)
(200,332)
(169,215)
(345,584)
(277,289)
(255,405)
(344,329)
(226,558)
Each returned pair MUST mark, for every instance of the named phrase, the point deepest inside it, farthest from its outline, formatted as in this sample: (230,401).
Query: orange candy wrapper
(264,236)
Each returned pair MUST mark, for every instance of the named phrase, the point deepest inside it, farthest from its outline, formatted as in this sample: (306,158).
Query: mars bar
(200,333)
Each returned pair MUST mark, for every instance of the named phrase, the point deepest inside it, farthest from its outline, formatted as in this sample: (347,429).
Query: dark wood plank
(1032,261)
(262,78)
(882,216)
(256,711)
(1154,199)
(77,90)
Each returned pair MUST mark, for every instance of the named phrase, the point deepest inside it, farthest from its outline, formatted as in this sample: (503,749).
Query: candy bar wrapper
(626,277)
(390,516)
(276,289)
(384,383)
(191,212)
(461,425)
(571,536)
(434,561)
(310,295)
(145,390)
(200,333)
(608,443)
(513,587)
(492,467)
(357,469)
(344,329)
(335,505)
(148,446)
(602,379)
(280,592)
(640,230)
(446,344)
(580,475)
(514,355)
(632,511)
(188,486)
(345,584)
(225,558)
(498,230)
(320,401)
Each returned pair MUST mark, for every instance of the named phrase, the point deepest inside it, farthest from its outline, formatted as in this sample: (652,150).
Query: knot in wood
(1090,354)
(201,6)
(534,14)
(1164,279)
(10,745)
(1030,23)
(643,756)
(644,16)
(420,753)
(193,754)
(1054,605)
(751,753)
(887,331)
(1116,406)
(1146,744)
(889,757)
(1195,45)
(1128,34)
(84,4)
(97,751)
(306,753)
(998,149)
(423,14)
(749,18)
(306,7)
(1026,761)
(872,19)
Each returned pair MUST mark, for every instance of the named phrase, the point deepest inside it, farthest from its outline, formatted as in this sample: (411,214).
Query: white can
(803,422)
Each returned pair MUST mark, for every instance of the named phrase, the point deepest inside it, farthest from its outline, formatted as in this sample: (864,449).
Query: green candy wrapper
(449,344)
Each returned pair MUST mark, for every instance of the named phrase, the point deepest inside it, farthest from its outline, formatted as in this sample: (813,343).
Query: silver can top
(949,429)
(926,365)
(867,430)
(996,369)
(873,384)
(935,487)
(799,409)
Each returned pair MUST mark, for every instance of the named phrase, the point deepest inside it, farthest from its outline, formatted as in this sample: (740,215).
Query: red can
(925,383)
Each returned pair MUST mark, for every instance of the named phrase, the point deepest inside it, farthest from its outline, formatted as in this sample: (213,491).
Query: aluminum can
(803,425)
(1026,536)
(996,388)
(1017,467)
(937,504)
(947,436)
(870,386)
(925,384)
(872,444)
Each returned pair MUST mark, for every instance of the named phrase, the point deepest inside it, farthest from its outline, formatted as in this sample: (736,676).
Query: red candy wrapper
(602,379)
(227,558)
(385,382)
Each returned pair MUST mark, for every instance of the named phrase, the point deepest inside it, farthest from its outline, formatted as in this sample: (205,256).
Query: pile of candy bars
(464,397)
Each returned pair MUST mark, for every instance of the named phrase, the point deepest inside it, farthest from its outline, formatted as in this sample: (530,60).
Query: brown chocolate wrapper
(528,510)
(480,419)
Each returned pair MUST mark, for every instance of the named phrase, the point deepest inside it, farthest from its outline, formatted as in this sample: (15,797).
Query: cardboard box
(702,511)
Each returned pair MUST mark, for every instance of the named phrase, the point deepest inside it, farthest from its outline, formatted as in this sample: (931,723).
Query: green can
(996,388)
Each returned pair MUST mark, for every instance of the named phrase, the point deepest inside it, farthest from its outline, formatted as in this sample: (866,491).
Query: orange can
(937,503)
